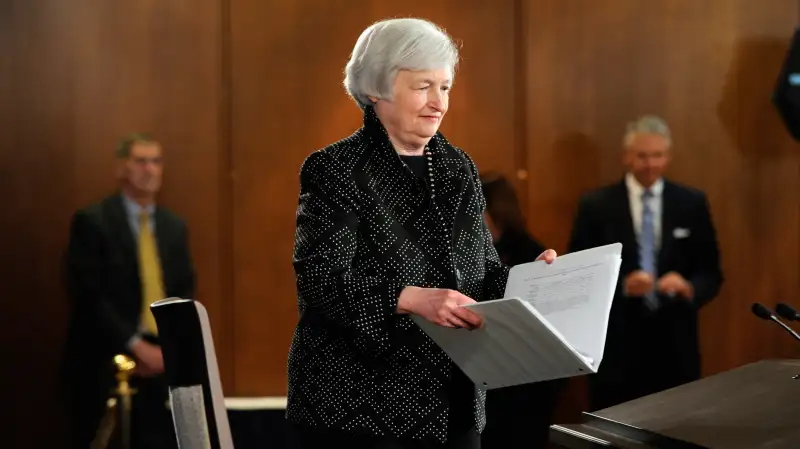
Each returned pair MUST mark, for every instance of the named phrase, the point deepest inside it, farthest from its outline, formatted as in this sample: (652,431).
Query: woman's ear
(372,99)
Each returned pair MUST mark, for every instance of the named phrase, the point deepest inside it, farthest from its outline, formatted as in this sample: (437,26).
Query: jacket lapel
(163,237)
(624,220)
(431,217)
(408,198)
(402,193)
(668,205)
(121,228)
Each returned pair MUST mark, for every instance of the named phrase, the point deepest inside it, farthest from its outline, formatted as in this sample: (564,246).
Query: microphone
(761,311)
(787,312)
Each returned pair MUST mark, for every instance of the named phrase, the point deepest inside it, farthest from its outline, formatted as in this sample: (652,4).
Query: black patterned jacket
(367,227)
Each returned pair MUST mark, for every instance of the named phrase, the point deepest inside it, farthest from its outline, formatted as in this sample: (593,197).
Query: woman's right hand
(440,306)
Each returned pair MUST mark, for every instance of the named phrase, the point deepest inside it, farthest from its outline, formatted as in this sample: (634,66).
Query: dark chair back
(190,365)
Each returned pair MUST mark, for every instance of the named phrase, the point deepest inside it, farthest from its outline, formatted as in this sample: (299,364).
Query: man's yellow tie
(149,273)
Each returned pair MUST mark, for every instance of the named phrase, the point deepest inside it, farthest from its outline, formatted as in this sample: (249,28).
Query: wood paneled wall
(75,78)
(241,91)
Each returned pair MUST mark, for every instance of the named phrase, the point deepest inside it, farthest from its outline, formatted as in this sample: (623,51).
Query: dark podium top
(750,407)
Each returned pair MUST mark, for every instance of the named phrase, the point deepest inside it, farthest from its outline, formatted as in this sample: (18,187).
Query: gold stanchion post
(123,395)
(125,368)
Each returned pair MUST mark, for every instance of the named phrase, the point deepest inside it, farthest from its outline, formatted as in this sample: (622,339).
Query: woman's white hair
(389,46)
(647,124)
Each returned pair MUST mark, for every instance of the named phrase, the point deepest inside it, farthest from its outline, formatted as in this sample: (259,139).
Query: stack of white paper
(551,324)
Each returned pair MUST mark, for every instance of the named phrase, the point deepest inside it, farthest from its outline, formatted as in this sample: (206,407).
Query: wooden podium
(750,407)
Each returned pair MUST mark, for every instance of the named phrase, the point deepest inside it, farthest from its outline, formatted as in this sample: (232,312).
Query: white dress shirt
(134,211)
(635,191)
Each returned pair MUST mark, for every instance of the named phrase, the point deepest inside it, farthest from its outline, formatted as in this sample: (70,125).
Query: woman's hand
(548,256)
(440,306)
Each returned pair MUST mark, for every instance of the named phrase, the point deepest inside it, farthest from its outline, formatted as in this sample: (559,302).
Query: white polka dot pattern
(366,228)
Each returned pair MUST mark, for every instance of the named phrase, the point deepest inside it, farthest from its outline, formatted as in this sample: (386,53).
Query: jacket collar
(380,137)
(449,163)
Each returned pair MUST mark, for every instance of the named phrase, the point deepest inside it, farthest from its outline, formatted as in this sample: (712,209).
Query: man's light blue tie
(647,247)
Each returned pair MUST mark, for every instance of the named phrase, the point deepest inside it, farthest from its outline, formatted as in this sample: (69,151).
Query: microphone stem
(788,329)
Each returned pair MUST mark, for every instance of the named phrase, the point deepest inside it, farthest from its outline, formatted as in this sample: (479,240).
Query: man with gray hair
(670,269)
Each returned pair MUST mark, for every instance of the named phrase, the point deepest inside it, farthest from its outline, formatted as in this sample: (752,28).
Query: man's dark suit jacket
(650,351)
(102,276)
(367,227)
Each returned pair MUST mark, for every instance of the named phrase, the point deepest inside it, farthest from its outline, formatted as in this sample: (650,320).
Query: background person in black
(520,416)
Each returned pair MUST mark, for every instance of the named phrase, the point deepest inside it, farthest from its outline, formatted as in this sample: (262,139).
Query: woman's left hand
(548,256)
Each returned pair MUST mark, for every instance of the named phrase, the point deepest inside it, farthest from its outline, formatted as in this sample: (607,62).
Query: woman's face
(419,105)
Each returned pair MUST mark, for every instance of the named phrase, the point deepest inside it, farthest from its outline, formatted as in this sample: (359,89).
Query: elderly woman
(389,224)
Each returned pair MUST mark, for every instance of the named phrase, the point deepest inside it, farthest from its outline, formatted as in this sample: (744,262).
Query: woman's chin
(428,131)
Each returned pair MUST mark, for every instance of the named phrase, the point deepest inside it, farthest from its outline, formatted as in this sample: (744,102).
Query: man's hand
(673,284)
(149,361)
(638,283)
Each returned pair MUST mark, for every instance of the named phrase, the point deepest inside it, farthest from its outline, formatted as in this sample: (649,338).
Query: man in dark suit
(124,253)
(670,269)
